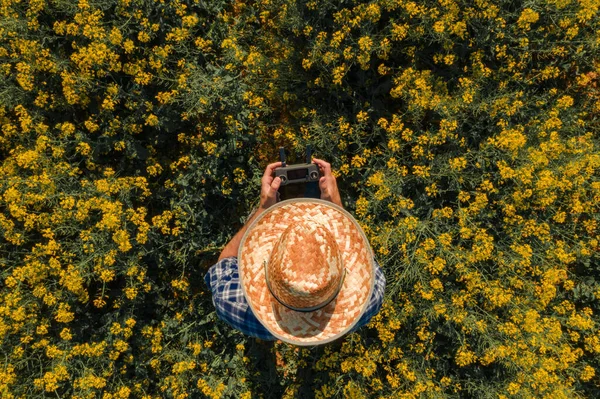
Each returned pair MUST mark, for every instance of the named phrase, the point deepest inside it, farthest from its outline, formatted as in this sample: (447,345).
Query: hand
(327,183)
(269,187)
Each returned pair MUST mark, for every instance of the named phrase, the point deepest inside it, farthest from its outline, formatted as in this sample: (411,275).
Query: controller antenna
(282,157)
(308,153)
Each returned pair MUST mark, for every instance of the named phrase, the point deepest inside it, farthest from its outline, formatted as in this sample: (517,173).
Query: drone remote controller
(299,180)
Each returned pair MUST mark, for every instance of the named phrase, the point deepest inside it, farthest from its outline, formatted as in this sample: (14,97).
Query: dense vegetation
(464,135)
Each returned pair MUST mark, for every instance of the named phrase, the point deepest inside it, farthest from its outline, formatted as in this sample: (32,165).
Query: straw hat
(306,270)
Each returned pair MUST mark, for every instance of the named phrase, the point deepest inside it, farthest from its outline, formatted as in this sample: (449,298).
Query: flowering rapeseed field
(464,135)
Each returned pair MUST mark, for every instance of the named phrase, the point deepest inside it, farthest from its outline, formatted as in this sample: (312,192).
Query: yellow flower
(338,74)
(362,206)
(128,46)
(131,292)
(66,334)
(52,351)
(458,164)
(358,161)
(51,378)
(115,36)
(204,387)
(421,171)
(565,102)
(84,148)
(431,190)
(151,120)
(393,145)
(28,159)
(436,284)
(25,76)
(587,373)
(362,116)
(143,37)
(464,357)
(64,315)
(365,43)
(527,17)
(123,393)
(183,366)
(399,32)
(239,175)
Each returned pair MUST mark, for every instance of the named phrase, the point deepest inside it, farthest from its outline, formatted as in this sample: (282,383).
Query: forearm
(232,247)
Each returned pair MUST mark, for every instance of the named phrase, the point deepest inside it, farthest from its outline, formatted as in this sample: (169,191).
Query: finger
(273,188)
(323,183)
(276,183)
(326,166)
(270,168)
(324,188)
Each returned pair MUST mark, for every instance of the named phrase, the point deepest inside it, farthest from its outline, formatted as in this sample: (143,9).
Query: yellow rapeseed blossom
(128,46)
(464,357)
(64,315)
(565,102)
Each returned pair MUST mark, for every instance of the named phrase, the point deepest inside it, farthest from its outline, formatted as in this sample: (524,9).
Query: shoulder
(224,269)
(379,275)
(224,265)
(231,260)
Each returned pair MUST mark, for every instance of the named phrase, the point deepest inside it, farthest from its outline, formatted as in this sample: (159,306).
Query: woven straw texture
(343,237)
(316,278)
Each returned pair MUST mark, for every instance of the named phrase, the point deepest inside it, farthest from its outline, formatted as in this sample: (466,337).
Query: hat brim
(340,315)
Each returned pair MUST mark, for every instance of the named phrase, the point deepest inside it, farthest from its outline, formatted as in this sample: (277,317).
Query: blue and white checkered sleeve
(230,303)
(376,299)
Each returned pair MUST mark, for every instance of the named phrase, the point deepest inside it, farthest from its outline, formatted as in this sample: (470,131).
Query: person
(299,270)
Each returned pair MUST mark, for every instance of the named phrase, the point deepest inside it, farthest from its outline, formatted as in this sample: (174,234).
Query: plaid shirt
(230,303)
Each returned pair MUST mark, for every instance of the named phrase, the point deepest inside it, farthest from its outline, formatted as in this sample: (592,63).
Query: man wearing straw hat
(300,270)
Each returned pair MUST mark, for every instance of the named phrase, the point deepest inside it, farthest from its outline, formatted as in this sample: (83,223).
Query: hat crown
(305,268)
